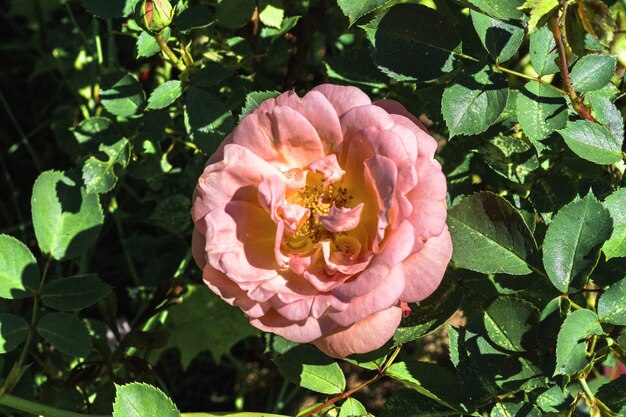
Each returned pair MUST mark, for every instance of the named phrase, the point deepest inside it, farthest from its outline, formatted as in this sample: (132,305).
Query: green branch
(32,407)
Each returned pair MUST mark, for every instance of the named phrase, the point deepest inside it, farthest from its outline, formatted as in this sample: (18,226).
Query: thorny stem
(347,394)
(555,26)
(16,371)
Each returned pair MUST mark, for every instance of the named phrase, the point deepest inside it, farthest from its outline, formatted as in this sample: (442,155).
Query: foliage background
(105,128)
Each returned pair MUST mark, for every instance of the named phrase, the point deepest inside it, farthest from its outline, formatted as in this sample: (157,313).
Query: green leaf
(242,414)
(233,14)
(66,218)
(110,9)
(142,400)
(254,100)
(13,331)
(287,24)
(543,51)
(19,273)
(608,114)
(211,74)
(432,381)
(514,409)
(355,9)
(428,315)
(165,94)
(600,22)
(475,101)
(192,333)
(172,213)
(490,236)
(207,119)
(352,408)
(66,333)
(121,94)
(539,12)
(540,110)
(74,293)
(414,42)
(484,369)
(616,245)
(571,344)
(613,395)
(510,157)
(571,247)
(196,16)
(147,46)
(271,15)
(592,142)
(355,67)
(552,192)
(612,304)
(500,9)
(501,40)
(309,368)
(508,321)
(96,130)
(410,403)
(100,176)
(592,72)
(554,399)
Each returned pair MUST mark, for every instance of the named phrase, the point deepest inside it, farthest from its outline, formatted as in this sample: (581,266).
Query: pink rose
(319,215)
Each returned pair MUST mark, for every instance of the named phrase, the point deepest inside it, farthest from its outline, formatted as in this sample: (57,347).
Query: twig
(304,33)
(529,77)
(347,394)
(35,408)
(169,53)
(23,137)
(555,26)
(16,371)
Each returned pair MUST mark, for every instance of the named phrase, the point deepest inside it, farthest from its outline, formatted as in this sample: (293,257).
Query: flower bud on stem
(154,16)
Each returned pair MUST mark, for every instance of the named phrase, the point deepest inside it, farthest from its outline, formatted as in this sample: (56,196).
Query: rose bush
(319,216)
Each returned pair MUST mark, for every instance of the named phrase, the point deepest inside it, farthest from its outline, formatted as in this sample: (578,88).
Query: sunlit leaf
(19,273)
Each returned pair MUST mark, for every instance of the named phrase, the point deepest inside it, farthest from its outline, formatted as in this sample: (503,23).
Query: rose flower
(318,216)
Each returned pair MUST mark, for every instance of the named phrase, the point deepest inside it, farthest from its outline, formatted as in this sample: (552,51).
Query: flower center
(318,199)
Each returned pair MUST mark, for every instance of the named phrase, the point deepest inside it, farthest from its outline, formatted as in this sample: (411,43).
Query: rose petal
(303,331)
(382,173)
(364,336)
(426,144)
(341,219)
(382,297)
(428,199)
(393,107)
(343,98)
(293,136)
(425,269)
(329,168)
(397,248)
(228,180)
(364,117)
(242,241)
(230,292)
(198,241)
(320,113)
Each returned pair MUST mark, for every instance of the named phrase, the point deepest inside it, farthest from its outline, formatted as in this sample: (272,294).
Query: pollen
(318,199)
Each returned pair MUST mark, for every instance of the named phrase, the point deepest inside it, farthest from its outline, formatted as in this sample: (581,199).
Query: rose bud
(154,15)
(321,217)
